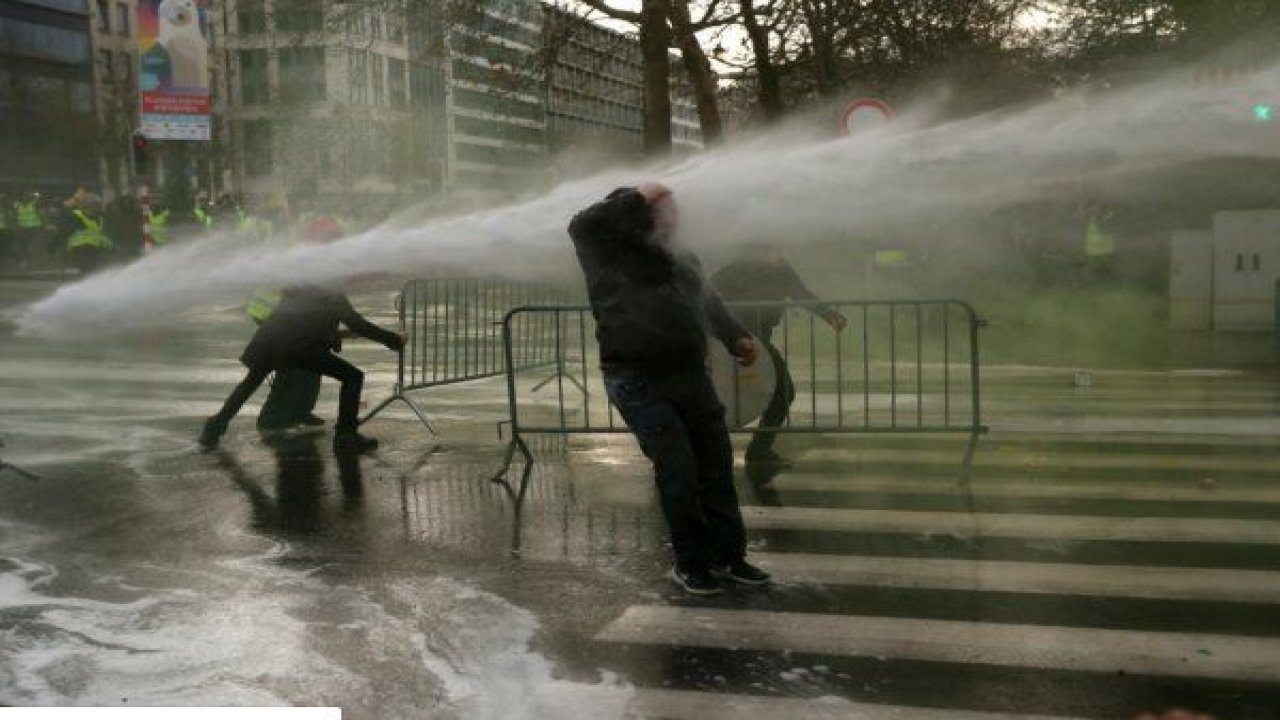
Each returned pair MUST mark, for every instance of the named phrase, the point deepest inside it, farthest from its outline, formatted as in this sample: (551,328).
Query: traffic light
(138,148)
(1264,112)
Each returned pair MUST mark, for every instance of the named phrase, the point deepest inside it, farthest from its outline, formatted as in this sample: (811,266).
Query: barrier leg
(966,467)
(573,380)
(517,495)
(422,417)
(501,475)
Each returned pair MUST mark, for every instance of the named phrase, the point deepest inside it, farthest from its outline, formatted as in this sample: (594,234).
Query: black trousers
(292,399)
(784,393)
(327,364)
(86,258)
(679,423)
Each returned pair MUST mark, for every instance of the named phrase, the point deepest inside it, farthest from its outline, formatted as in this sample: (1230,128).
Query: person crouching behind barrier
(760,273)
(301,333)
(294,391)
(653,312)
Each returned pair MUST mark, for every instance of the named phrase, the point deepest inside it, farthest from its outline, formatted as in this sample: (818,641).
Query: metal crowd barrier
(900,366)
(454,328)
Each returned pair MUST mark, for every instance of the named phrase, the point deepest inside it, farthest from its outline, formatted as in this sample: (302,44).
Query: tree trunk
(826,77)
(655,39)
(701,77)
(769,86)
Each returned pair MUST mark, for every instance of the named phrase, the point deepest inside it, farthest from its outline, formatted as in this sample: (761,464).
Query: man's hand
(747,351)
(404,338)
(653,191)
(837,321)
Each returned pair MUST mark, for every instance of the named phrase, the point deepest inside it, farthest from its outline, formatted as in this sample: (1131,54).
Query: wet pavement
(1116,549)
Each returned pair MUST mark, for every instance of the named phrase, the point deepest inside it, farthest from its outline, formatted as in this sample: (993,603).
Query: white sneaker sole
(675,577)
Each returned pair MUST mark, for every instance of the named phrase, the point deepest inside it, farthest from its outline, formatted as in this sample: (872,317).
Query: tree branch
(613,12)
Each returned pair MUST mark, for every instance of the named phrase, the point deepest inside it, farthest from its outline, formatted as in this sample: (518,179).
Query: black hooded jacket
(653,310)
(304,324)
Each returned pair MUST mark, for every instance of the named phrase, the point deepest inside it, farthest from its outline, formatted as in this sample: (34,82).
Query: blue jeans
(679,423)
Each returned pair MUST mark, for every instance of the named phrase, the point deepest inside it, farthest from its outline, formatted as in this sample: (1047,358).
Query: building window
(105,66)
(122,19)
(257,148)
(299,16)
(254,85)
(379,79)
(124,70)
(358,75)
(302,74)
(251,17)
(395,26)
(104,16)
(397,86)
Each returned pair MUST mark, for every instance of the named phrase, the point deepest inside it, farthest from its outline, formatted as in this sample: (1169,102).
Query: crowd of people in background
(80,232)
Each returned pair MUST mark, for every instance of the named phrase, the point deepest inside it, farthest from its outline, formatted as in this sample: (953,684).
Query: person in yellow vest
(202,214)
(29,227)
(88,245)
(255,224)
(5,246)
(159,226)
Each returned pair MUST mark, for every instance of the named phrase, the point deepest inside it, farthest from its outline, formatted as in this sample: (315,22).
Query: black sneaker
(696,582)
(211,433)
(767,458)
(353,442)
(311,421)
(741,571)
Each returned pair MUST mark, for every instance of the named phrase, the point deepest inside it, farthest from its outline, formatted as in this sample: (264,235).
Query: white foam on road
(249,632)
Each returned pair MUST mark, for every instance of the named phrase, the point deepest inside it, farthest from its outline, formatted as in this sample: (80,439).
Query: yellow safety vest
(1098,242)
(890,258)
(90,235)
(28,215)
(253,225)
(202,216)
(262,304)
(160,227)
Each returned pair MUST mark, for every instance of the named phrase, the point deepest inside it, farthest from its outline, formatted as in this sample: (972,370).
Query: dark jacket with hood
(653,310)
(305,324)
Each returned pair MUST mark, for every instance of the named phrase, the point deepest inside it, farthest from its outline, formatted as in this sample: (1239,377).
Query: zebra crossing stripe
(1030,458)
(692,705)
(1040,527)
(953,641)
(1179,491)
(1151,583)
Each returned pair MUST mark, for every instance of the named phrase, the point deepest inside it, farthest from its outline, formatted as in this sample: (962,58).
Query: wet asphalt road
(1117,549)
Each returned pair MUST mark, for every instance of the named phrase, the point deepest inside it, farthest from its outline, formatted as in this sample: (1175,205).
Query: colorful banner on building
(174,78)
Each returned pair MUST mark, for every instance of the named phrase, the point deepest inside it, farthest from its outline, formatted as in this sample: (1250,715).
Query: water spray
(782,186)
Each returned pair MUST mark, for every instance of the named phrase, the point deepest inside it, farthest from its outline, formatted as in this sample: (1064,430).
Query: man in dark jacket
(301,333)
(761,275)
(653,313)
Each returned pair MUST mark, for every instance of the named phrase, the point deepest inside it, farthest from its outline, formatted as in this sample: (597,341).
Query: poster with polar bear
(174,77)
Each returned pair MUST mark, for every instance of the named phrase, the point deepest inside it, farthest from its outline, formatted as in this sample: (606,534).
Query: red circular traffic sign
(864,114)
